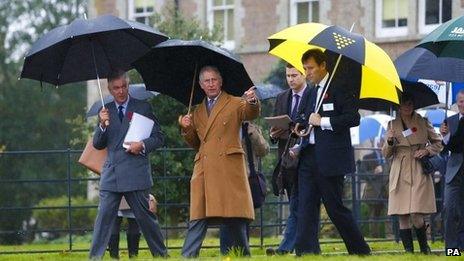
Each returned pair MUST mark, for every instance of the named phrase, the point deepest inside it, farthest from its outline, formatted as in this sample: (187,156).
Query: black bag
(287,162)
(256,179)
(430,164)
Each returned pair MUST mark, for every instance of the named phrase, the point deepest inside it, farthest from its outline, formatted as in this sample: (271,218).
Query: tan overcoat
(410,191)
(219,185)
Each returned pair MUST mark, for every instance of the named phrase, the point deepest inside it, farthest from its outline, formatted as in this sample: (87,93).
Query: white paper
(140,128)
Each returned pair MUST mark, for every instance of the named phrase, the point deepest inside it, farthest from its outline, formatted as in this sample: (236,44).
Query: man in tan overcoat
(219,188)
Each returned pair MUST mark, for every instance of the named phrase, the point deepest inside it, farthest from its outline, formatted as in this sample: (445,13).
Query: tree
(33,117)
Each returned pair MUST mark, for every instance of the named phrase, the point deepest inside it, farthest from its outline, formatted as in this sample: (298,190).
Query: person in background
(288,102)
(132,232)
(411,195)
(453,133)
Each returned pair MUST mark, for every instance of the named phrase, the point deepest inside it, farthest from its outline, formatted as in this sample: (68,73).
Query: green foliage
(33,117)
(178,26)
(57,218)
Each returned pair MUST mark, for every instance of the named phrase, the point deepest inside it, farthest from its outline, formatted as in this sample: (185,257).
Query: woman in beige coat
(411,194)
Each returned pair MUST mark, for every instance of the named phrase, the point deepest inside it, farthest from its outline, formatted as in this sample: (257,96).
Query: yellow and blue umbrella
(379,79)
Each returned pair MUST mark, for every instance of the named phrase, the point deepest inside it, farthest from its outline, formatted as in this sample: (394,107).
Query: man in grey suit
(452,132)
(126,172)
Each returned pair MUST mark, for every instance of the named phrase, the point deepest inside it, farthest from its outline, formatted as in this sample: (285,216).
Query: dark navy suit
(282,106)
(322,168)
(454,186)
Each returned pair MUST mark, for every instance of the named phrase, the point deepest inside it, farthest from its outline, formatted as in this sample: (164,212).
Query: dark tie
(314,97)
(295,107)
(120,113)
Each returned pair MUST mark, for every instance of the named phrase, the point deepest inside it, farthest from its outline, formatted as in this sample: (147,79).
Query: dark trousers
(107,214)
(132,227)
(454,212)
(233,235)
(312,187)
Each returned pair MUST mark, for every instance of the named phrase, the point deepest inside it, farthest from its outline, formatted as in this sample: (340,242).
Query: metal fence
(365,193)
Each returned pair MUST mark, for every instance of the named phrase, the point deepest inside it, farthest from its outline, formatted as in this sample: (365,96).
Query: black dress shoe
(270,251)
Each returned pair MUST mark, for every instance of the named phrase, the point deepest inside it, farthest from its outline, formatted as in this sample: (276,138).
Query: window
(304,11)
(221,13)
(432,13)
(391,18)
(141,10)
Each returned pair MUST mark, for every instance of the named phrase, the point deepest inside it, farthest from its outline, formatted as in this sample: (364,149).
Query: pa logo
(453,252)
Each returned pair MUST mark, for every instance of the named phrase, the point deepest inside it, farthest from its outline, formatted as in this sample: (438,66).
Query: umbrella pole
(318,106)
(193,88)
(446,100)
(107,122)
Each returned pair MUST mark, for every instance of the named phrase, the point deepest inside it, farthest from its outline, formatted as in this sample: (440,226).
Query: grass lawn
(331,251)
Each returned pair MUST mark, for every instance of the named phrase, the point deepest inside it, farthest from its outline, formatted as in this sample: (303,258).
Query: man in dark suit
(126,172)
(288,102)
(326,156)
(453,133)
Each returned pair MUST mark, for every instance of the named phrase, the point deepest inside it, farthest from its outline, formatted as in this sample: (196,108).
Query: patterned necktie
(120,113)
(210,105)
(295,107)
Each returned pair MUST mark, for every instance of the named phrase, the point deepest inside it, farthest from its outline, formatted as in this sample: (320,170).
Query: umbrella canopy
(379,77)
(435,116)
(87,49)
(267,91)
(447,39)
(420,63)
(170,67)
(423,95)
(137,91)
(370,127)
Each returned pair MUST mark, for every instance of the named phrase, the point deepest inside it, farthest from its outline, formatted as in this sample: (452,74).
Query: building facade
(395,25)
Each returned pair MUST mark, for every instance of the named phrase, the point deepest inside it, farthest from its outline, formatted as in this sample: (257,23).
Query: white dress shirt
(325,121)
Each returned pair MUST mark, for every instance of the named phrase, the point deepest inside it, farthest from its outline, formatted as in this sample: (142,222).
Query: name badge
(407,133)
(328,107)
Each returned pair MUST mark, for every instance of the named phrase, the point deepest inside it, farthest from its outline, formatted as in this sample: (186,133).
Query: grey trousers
(454,212)
(235,228)
(107,214)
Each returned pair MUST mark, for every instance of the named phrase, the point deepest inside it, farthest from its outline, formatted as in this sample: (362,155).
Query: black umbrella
(171,68)
(137,91)
(420,63)
(88,49)
(422,94)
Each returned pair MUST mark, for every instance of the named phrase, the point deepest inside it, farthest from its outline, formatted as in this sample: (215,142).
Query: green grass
(331,251)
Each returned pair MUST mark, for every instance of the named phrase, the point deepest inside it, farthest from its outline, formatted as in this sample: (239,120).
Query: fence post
(165,197)
(354,194)
(69,198)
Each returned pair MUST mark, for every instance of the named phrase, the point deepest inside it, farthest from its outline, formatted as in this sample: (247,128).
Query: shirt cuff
(143,151)
(325,123)
(446,138)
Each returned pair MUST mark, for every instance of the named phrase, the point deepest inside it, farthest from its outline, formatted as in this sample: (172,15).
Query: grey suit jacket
(123,171)
(456,159)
